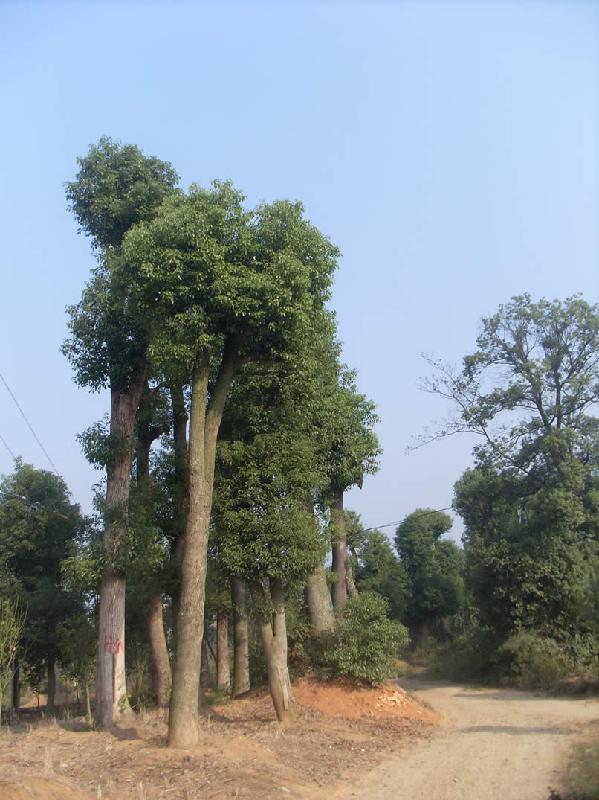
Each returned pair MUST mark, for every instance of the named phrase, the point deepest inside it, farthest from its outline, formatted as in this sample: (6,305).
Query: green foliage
(77,639)
(434,569)
(378,570)
(12,624)
(366,643)
(346,418)
(116,187)
(530,661)
(530,559)
(38,529)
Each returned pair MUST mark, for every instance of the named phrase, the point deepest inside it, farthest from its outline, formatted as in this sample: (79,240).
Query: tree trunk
(241,654)
(223,667)
(318,598)
(181,490)
(147,433)
(274,640)
(203,433)
(16,687)
(111,687)
(352,590)
(205,664)
(51,663)
(88,705)
(339,564)
(161,667)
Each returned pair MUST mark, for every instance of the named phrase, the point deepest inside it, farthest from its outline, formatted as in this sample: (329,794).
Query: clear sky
(451,150)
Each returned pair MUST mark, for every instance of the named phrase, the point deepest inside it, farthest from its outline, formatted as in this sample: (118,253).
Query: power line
(420,513)
(3,440)
(35,436)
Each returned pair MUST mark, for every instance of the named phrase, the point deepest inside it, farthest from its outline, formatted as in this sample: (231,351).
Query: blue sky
(451,150)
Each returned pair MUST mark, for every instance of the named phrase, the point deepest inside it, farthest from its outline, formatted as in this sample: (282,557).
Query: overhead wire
(29,425)
(3,440)
(397,522)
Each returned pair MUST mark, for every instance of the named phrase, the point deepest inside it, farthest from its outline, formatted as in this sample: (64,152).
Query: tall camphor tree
(38,528)
(377,567)
(234,286)
(350,451)
(434,570)
(117,187)
(268,463)
(529,392)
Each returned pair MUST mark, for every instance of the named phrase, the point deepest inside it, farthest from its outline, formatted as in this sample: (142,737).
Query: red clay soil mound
(41,789)
(342,699)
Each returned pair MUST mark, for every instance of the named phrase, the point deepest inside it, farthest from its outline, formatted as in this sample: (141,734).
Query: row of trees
(207,322)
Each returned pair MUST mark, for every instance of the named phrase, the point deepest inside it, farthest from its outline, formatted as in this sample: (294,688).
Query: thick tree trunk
(161,666)
(241,653)
(318,599)
(274,640)
(111,688)
(181,487)
(339,564)
(16,687)
(51,664)
(223,666)
(183,721)
(203,432)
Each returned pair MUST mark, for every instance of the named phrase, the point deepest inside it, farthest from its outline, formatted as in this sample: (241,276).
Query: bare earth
(497,745)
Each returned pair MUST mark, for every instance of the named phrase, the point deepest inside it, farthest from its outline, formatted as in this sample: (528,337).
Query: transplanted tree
(117,187)
(38,528)
(434,569)
(265,531)
(234,286)
(350,450)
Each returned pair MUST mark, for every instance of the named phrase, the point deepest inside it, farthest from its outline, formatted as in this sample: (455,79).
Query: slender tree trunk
(274,640)
(111,686)
(223,666)
(318,598)
(181,488)
(241,653)
(203,432)
(88,705)
(147,433)
(51,663)
(16,686)
(161,666)
(204,668)
(339,564)
(352,590)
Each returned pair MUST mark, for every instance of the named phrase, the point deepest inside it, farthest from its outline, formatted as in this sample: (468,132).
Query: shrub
(468,657)
(366,643)
(531,661)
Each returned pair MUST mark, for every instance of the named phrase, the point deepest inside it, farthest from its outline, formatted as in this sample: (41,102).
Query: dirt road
(497,745)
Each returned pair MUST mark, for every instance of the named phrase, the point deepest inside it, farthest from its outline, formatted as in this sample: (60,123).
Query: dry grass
(243,752)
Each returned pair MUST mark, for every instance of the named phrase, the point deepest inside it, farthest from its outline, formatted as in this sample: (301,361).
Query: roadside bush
(531,662)
(468,657)
(366,643)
